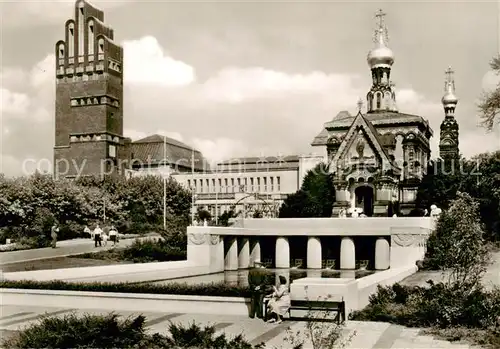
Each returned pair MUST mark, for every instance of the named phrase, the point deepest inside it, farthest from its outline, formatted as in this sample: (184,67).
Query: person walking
(87,232)
(258,282)
(105,239)
(97,235)
(113,235)
(53,234)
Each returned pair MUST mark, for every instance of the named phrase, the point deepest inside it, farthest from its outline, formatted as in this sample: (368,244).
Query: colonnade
(242,252)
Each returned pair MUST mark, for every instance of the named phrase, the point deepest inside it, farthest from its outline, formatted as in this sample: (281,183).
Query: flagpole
(216,195)
(164,183)
(192,192)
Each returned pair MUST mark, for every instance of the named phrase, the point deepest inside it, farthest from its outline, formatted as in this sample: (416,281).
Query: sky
(250,78)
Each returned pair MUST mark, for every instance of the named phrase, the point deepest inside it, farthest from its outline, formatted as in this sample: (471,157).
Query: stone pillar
(382,254)
(313,253)
(244,254)
(282,252)
(347,253)
(255,252)
(231,257)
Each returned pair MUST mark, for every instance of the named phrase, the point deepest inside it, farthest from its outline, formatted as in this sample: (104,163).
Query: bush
(109,331)
(209,289)
(437,306)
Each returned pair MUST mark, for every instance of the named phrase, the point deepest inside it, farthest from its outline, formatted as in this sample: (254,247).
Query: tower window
(81,9)
(379,100)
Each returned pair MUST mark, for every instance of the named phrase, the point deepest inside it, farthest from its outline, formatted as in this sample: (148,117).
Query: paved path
(369,335)
(64,248)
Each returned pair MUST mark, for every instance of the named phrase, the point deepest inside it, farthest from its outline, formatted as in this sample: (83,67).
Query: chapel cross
(449,74)
(380,16)
(360,104)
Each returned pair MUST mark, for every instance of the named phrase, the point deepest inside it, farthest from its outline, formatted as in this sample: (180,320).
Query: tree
(202,215)
(489,105)
(457,244)
(315,197)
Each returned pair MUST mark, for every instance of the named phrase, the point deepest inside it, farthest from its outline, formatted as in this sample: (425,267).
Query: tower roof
(381,54)
(449,99)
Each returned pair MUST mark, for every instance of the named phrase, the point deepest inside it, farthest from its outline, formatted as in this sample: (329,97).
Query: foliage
(225,217)
(437,305)
(110,331)
(479,177)
(196,337)
(209,289)
(489,105)
(29,205)
(315,197)
(457,244)
(142,251)
(202,215)
(88,331)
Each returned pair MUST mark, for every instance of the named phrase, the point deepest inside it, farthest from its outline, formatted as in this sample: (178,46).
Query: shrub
(88,331)
(109,331)
(209,289)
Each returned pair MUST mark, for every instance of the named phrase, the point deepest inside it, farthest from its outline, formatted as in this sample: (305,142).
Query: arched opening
(363,199)
(379,100)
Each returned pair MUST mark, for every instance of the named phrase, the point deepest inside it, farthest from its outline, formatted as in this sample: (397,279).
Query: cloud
(220,149)
(146,63)
(13,102)
(235,85)
(491,80)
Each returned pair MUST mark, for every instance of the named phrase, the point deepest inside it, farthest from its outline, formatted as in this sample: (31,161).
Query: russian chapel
(379,157)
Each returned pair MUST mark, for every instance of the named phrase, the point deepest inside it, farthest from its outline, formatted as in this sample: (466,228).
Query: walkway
(369,335)
(64,249)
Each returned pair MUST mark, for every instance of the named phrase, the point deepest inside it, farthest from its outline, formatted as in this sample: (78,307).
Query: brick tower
(89,98)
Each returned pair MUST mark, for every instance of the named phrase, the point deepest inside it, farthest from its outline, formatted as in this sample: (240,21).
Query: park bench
(326,306)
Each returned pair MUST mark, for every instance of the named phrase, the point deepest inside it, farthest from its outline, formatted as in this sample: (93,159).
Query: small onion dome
(381,54)
(449,98)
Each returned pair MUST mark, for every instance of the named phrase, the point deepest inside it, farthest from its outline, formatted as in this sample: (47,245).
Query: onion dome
(381,55)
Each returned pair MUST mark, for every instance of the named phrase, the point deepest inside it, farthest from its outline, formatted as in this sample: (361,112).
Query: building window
(112,151)
(194,185)
(278,183)
(189,183)
(232,185)
(239,185)
(265,184)
(213,185)
(272,183)
(225,184)
(220,185)
(258,184)
(251,185)
(245,187)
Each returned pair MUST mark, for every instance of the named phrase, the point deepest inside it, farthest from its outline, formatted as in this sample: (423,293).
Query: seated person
(280,301)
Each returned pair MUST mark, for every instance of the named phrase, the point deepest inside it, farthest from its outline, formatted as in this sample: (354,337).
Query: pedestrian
(87,232)
(113,235)
(53,234)
(105,239)
(97,235)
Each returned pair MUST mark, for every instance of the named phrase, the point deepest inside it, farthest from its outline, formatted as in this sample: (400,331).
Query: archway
(363,198)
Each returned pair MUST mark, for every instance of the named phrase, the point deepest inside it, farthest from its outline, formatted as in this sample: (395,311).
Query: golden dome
(449,98)
(381,54)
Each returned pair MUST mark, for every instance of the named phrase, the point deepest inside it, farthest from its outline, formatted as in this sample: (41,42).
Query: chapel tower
(448,141)
(89,97)
(382,95)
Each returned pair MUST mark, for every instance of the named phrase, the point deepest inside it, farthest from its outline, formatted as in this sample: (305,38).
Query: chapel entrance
(363,198)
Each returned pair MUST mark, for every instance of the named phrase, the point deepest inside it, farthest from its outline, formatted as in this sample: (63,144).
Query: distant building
(248,185)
